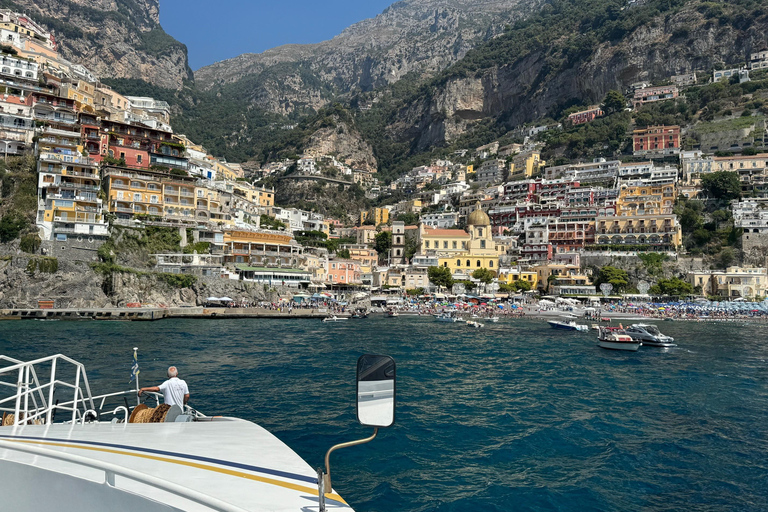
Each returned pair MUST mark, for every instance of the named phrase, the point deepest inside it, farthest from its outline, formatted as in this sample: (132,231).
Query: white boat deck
(235,462)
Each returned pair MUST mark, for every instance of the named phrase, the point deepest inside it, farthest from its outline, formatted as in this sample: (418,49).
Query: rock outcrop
(114,38)
(346,144)
(527,88)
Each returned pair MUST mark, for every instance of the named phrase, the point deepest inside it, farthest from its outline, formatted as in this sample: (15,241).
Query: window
(458,263)
(445,244)
(478,263)
(426,244)
(138,158)
(490,264)
(454,244)
(137,197)
(482,244)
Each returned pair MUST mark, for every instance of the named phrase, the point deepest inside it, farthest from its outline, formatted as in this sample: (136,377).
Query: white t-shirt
(174,390)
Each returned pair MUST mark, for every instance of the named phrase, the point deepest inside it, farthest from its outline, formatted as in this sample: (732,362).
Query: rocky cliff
(76,285)
(420,37)
(514,83)
(113,38)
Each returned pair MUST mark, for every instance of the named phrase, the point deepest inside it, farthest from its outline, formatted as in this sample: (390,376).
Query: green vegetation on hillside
(18,197)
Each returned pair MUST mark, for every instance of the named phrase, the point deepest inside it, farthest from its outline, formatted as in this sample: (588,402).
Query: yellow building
(69,203)
(509,276)
(364,255)
(463,252)
(642,198)
(526,164)
(746,282)
(107,100)
(266,249)
(142,192)
(80,91)
(377,215)
(562,275)
(256,195)
(660,231)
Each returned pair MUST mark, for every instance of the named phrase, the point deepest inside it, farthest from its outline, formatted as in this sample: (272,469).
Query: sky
(252,26)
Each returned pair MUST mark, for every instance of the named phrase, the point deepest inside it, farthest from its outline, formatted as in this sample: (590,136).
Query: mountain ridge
(113,38)
(409,36)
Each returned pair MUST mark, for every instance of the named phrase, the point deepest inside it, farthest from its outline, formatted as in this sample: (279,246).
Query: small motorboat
(605,319)
(476,325)
(568,325)
(493,319)
(650,335)
(392,314)
(446,317)
(334,318)
(614,338)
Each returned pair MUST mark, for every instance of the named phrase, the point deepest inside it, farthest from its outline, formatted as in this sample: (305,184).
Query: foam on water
(515,416)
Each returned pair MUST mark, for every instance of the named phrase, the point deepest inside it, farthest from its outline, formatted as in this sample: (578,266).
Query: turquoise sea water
(515,416)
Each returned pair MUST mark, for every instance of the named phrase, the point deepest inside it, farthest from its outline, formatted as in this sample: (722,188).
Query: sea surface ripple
(515,416)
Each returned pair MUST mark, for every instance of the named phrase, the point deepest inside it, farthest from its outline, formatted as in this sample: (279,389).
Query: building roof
(446,232)
(478,217)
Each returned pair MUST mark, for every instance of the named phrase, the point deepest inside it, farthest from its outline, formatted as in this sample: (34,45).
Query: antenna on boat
(135,372)
(375,408)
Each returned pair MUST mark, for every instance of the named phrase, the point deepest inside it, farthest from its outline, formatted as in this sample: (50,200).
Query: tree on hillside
(723,185)
(440,276)
(11,225)
(615,276)
(674,286)
(383,243)
(484,275)
(410,219)
(614,102)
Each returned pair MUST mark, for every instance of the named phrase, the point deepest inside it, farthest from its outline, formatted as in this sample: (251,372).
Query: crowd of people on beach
(530,307)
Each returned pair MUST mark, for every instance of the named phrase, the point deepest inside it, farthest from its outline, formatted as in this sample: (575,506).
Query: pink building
(343,271)
(586,116)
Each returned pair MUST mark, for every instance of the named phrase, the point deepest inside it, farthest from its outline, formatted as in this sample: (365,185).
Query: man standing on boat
(175,390)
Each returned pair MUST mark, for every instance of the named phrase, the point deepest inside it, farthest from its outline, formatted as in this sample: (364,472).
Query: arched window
(478,263)
(458,263)
(490,264)
(469,264)
(445,264)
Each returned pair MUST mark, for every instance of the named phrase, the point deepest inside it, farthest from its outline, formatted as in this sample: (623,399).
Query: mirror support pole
(324,483)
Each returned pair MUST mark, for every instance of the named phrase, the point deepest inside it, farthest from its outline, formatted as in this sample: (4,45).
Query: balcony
(48,130)
(76,186)
(70,159)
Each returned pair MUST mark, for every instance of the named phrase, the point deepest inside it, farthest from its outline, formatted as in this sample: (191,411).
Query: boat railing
(112,470)
(32,398)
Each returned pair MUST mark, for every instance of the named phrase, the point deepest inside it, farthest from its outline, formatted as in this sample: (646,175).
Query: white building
(17,67)
(443,220)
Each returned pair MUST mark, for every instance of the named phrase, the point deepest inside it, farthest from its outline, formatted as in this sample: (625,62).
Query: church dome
(478,217)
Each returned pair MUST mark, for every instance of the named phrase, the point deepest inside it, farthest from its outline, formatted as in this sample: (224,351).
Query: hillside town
(499,220)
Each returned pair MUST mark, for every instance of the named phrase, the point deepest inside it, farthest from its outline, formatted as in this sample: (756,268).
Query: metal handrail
(28,385)
(111,470)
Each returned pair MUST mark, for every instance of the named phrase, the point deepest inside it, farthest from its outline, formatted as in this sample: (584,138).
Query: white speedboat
(393,314)
(334,318)
(614,338)
(649,335)
(568,325)
(493,319)
(77,453)
(476,325)
(446,317)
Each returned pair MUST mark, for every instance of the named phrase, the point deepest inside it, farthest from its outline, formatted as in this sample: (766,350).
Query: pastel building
(68,198)
(656,141)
